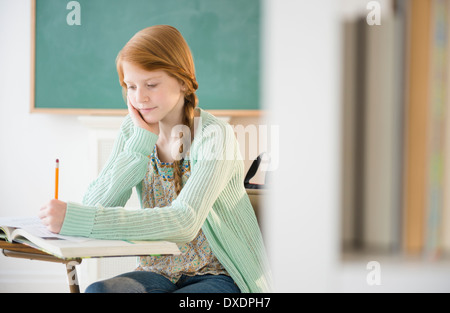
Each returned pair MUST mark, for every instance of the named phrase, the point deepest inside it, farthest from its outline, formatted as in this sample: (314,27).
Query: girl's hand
(139,121)
(52,215)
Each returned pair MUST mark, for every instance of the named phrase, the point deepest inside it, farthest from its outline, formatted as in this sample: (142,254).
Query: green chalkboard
(74,65)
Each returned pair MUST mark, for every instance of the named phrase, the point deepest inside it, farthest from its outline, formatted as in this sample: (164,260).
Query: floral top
(196,257)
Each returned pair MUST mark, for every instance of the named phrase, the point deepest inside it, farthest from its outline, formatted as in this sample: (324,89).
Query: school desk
(18,250)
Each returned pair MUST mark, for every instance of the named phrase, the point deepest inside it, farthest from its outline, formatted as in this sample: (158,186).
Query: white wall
(301,88)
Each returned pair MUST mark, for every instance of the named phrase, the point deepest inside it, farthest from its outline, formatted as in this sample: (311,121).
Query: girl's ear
(183,86)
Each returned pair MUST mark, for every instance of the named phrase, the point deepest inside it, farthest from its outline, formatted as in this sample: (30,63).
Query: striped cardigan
(213,199)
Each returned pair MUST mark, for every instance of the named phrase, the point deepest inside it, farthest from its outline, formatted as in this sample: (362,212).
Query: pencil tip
(57,160)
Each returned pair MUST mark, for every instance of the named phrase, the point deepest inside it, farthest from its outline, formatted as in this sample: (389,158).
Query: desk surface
(27,252)
(5,245)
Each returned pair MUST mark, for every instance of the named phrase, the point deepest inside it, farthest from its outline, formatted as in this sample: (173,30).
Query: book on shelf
(382,134)
(372,133)
(416,126)
(31,232)
(349,81)
(436,132)
(445,216)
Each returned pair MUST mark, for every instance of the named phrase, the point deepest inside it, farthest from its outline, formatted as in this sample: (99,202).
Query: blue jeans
(149,282)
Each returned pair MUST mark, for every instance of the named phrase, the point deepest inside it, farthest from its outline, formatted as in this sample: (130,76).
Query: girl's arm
(215,158)
(125,168)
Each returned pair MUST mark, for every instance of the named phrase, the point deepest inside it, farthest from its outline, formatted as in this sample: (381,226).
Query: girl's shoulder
(206,123)
(212,131)
(206,119)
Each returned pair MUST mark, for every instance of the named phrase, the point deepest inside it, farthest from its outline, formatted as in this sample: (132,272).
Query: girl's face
(155,94)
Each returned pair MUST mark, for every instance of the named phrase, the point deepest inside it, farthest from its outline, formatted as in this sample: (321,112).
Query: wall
(301,87)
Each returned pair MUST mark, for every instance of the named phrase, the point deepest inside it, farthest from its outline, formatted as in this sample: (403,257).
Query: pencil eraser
(57,160)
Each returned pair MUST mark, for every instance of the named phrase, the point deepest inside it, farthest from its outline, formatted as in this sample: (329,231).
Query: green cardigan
(213,199)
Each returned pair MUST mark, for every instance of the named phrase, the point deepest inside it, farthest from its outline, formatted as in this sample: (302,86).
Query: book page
(34,226)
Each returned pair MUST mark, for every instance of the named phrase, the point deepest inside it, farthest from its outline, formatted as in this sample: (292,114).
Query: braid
(190,102)
(177,174)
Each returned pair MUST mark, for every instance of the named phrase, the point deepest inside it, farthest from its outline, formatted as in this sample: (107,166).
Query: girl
(190,185)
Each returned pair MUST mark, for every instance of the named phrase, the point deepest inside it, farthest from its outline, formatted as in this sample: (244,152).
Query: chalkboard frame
(99,112)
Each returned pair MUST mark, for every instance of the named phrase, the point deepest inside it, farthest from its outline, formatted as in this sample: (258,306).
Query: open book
(30,231)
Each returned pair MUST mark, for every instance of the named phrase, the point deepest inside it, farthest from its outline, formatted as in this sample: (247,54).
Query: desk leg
(72,277)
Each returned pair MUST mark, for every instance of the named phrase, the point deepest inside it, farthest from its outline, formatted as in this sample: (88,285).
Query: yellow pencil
(56,178)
